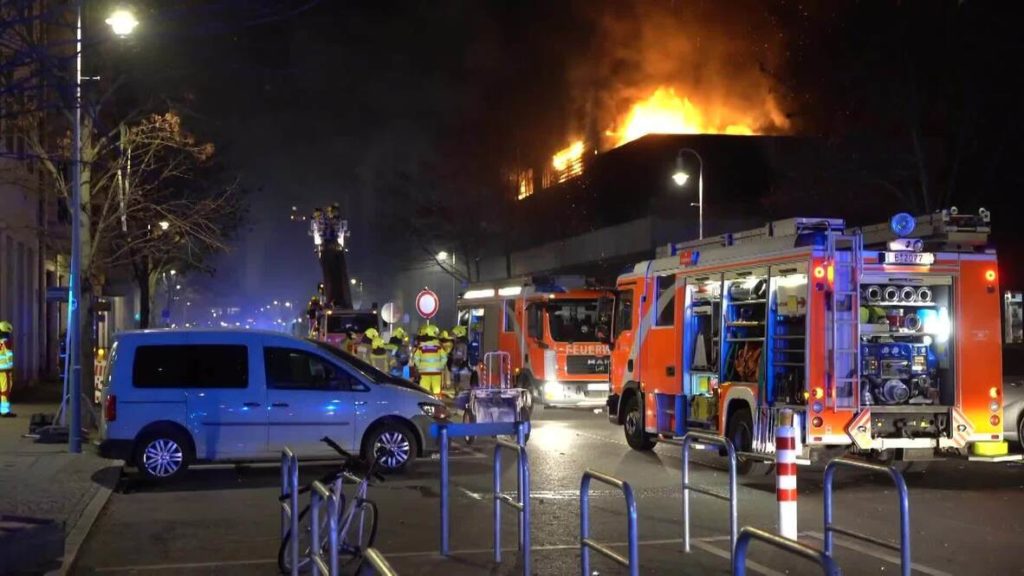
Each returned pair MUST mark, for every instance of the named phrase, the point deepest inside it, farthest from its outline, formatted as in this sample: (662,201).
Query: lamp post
(680,176)
(441,257)
(123,23)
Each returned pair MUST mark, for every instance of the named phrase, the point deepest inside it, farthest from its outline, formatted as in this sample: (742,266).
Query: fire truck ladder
(845,256)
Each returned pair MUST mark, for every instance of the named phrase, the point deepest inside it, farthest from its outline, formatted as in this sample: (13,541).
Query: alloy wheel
(162,457)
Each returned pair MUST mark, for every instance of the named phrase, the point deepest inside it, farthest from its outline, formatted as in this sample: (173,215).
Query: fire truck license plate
(908,258)
(598,386)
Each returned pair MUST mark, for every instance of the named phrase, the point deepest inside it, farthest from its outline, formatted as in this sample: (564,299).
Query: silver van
(175,397)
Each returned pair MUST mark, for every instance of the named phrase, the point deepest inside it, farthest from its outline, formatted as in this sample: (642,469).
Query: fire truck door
(661,369)
(622,331)
(535,347)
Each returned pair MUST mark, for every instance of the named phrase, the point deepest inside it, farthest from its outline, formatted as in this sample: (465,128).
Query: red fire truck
(552,331)
(883,340)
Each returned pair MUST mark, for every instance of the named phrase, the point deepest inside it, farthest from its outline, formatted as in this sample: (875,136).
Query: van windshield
(573,320)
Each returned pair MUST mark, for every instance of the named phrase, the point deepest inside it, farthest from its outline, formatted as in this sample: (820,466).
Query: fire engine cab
(883,340)
(553,332)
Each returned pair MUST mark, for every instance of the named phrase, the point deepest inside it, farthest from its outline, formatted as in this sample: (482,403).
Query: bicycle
(365,508)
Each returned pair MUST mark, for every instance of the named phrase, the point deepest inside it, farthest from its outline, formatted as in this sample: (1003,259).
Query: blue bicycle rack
(901,489)
(633,562)
(444,431)
(520,503)
(739,559)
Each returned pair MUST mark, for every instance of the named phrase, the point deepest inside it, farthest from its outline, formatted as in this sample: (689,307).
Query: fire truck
(551,329)
(882,340)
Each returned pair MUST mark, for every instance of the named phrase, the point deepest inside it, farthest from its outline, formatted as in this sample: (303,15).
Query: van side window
(290,369)
(191,366)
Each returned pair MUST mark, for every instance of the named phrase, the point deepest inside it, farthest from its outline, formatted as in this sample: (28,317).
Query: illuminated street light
(442,255)
(680,177)
(353,281)
(164,224)
(177,286)
(173,272)
(122,22)
(287,304)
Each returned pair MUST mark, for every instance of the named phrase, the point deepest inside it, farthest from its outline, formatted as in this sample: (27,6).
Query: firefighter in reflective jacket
(430,359)
(379,355)
(6,368)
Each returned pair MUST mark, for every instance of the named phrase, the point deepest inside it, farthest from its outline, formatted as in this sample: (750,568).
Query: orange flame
(568,162)
(664,112)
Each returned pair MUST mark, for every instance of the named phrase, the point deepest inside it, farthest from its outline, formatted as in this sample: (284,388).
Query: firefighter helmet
(371,334)
(432,331)
(6,326)
(459,331)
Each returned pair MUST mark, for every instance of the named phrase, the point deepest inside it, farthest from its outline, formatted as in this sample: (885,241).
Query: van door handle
(279,405)
(251,404)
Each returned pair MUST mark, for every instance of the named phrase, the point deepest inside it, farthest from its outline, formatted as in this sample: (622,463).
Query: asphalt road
(966,518)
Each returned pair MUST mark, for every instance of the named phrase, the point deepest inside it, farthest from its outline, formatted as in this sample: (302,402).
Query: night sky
(322,101)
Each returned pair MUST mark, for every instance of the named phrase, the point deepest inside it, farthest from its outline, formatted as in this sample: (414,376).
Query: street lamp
(441,257)
(164,224)
(122,22)
(119,22)
(681,176)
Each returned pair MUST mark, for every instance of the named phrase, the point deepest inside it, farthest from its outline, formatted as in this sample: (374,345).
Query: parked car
(175,397)
(1013,393)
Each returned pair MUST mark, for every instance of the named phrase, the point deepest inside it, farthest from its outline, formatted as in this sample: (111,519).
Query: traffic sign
(427,304)
(391,313)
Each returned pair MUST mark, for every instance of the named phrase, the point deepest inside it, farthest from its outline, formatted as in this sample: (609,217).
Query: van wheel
(740,431)
(392,445)
(633,426)
(163,454)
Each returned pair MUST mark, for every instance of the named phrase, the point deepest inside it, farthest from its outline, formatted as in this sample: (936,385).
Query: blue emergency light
(902,224)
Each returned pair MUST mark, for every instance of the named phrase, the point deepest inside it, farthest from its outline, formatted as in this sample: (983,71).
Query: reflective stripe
(550,365)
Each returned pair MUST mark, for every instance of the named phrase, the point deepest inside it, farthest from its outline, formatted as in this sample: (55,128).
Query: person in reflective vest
(6,368)
(379,355)
(430,360)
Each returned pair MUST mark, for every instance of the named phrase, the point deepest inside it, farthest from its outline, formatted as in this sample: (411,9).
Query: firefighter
(458,358)
(446,346)
(379,355)
(365,343)
(430,360)
(6,368)
(313,312)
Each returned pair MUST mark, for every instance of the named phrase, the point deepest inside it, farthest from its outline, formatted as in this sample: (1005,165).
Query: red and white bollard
(785,474)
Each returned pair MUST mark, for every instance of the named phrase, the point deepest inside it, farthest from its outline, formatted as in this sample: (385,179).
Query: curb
(78,534)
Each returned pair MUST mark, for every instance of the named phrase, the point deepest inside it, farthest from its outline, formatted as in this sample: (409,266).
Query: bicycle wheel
(284,552)
(362,531)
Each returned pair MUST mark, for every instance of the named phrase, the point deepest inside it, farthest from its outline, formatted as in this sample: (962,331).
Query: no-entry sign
(427,303)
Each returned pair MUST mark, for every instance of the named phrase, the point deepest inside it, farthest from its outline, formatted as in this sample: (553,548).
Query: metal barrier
(633,562)
(319,494)
(731,498)
(901,488)
(443,431)
(739,558)
(290,507)
(379,564)
(520,503)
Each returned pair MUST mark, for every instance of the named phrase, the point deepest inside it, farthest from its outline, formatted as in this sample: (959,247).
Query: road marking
(705,546)
(881,556)
(470,493)
(574,546)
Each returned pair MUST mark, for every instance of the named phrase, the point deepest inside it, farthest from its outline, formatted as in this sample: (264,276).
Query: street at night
(225,520)
(268,267)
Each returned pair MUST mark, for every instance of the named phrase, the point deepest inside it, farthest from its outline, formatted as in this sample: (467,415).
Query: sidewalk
(44,481)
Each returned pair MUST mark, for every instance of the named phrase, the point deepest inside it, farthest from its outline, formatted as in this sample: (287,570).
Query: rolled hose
(891,294)
(924,294)
(908,294)
(873,293)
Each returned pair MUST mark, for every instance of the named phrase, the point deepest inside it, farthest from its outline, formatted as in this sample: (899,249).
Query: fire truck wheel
(633,426)
(739,430)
